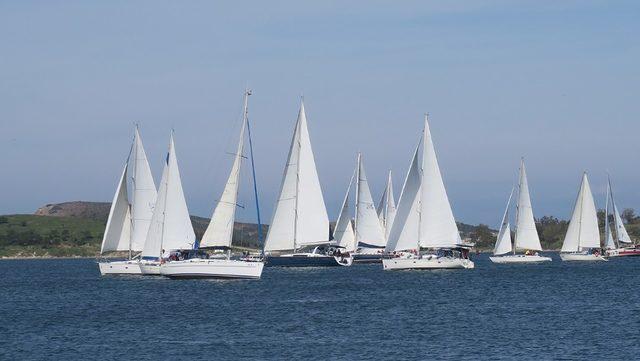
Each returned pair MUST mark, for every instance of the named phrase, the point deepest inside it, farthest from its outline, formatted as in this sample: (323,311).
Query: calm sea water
(63,309)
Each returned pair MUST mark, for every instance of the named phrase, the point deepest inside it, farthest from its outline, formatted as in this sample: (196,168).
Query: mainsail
(583,230)
(526,232)
(170,227)
(503,242)
(300,216)
(369,232)
(219,233)
(387,208)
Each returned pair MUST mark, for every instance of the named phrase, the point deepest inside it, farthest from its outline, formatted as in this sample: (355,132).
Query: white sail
(144,195)
(437,226)
(171,227)
(526,232)
(621,231)
(300,216)
(343,234)
(404,231)
(219,233)
(583,230)
(369,231)
(503,242)
(117,232)
(387,208)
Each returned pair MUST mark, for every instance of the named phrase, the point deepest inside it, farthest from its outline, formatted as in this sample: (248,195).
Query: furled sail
(369,231)
(171,227)
(437,226)
(300,216)
(219,233)
(526,232)
(583,230)
(117,233)
(503,242)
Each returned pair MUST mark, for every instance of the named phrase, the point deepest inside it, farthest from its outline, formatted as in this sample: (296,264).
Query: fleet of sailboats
(526,234)
(154,228)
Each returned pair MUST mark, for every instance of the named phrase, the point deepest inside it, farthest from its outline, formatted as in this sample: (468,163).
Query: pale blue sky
(554,81)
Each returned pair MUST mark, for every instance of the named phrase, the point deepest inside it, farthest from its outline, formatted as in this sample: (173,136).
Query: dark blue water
(63,309)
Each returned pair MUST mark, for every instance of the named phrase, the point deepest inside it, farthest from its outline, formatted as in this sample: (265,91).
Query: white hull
(119,268)
(581,257)
(212,268)
(519,258)
(150,268)
(426,262)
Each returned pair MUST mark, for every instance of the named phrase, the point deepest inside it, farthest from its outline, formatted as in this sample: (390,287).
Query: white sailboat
(424,219)
(526,233)
(128,221)
(387,207)
(582,241)
(170,229)
(299,230)
(219,233)
(622,245)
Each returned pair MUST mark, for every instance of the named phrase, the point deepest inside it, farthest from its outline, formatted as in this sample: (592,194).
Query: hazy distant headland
(75,229)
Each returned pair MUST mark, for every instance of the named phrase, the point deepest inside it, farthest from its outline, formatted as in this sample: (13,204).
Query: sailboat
(387,207)
(582,241)
(129,220)
(299,230)
(622,245)
(219,233)
(526,233)
(170,231)
(424,219)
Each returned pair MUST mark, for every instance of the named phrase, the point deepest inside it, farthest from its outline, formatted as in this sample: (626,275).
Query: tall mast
(247,93)
(607,230)
(295,222)
(581,207)
(166,190)
(515,239)
(134,150)
(357,197)
(386,206)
